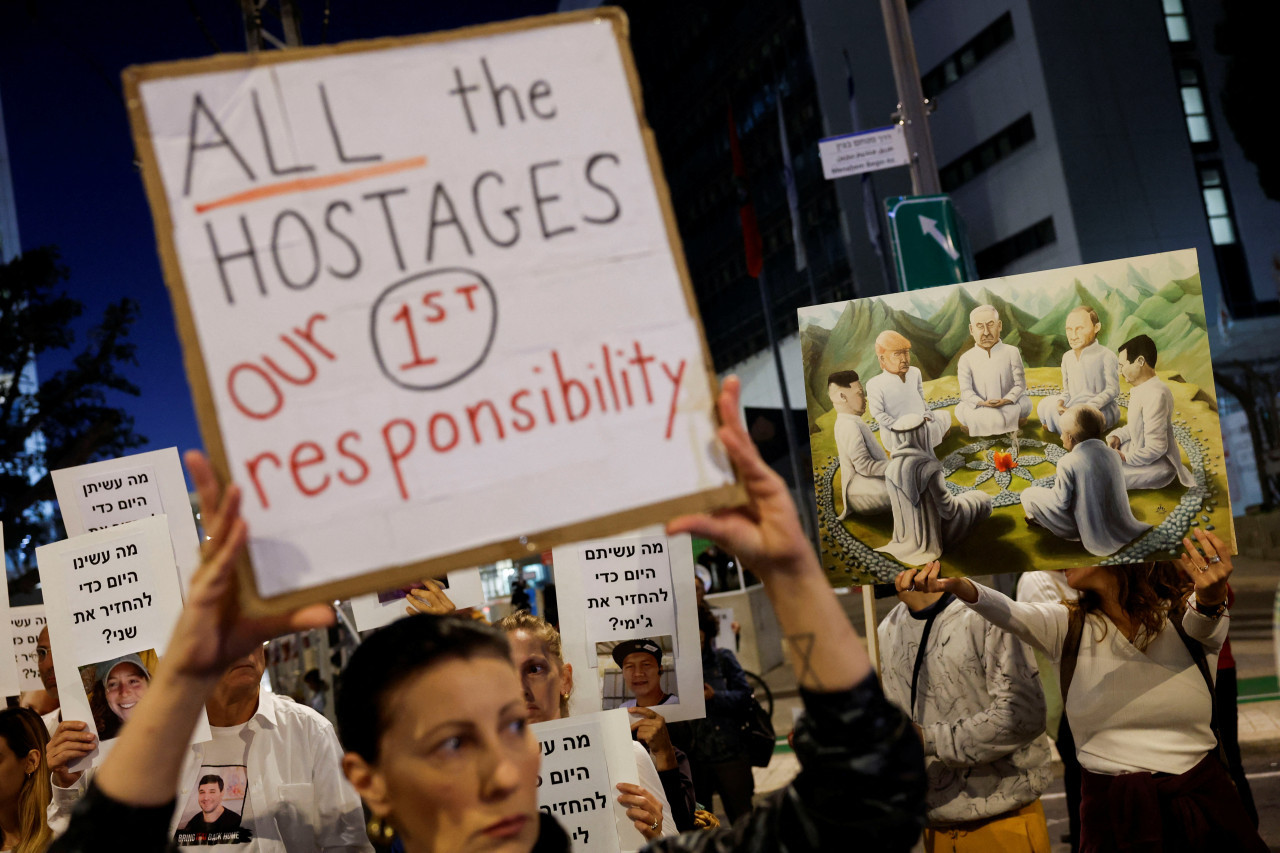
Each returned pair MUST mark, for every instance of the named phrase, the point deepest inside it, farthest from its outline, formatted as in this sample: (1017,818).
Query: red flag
(746,211)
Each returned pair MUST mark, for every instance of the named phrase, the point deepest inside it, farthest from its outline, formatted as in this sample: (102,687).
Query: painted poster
(1049,420)
(432,300)
(463,586)
(636,640)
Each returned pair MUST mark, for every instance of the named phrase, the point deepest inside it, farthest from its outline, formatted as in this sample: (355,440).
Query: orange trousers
(1017,831)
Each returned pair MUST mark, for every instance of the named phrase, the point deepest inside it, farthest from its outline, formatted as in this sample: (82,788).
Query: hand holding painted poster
(463,588)
(111,599)
(27,621)
(431,298)
(583,759)
(640,635)
(1048,420)
(115,491)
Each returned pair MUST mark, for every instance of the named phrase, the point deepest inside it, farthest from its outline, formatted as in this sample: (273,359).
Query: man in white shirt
(1090,374)
(281,768)
(1146,443)
(993,383)
(1088,502)
(899,391)
(862,459)
(44,665)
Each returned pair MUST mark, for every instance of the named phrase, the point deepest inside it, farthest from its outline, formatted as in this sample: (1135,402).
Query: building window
(968,56)
(999,255)
(1193,105)
(1221,226)
(986,154)
(1175,21)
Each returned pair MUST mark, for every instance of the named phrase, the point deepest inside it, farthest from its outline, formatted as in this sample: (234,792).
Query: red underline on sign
(299,185)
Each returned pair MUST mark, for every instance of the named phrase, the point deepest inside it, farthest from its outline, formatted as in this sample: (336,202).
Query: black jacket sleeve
(99,823)
(862,781)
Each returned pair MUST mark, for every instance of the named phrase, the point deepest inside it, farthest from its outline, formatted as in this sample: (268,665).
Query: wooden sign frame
(534,541)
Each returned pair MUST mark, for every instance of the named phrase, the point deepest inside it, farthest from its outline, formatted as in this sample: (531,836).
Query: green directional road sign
(930,244)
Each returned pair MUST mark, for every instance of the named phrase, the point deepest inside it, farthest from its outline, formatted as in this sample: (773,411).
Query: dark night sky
(72,155)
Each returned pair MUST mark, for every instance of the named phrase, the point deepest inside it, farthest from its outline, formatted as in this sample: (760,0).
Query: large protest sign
(27,621)
(111,600)
(583,759)
(432,302)
(463,586)
(115,491)
(639,635)
(1048,420)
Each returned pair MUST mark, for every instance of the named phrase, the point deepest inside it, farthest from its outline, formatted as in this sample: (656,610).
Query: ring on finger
(1215,559)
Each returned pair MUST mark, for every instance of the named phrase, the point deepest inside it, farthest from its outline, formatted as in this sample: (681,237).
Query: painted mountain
(1155,295)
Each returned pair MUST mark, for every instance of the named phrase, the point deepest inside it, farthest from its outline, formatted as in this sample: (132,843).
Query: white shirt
(862,464)
(890,397)
(991,375)
(1148,436)
(297,796)
(1093,378)
(1131,711)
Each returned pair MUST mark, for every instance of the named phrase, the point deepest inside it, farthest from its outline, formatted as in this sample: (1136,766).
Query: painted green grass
(1004,542)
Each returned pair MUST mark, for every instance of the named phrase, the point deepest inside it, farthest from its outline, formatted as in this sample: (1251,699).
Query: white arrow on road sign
(930,227)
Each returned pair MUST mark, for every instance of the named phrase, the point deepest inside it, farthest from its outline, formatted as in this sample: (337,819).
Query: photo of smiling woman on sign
(114,688)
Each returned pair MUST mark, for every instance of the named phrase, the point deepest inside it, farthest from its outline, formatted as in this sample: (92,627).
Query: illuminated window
(1175,21)
(1193,105)
(1221,228)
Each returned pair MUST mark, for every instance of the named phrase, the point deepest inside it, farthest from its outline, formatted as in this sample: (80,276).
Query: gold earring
(564,695)
(380,831)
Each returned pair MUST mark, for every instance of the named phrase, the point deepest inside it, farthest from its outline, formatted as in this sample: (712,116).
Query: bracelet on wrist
(1213,611)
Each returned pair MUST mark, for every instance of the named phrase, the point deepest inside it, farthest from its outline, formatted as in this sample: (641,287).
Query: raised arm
(1042,626)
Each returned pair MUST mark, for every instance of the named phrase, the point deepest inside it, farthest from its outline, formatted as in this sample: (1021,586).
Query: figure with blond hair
(1088,502)
(1090,374)
(24,781)
(993,382)
(899,391)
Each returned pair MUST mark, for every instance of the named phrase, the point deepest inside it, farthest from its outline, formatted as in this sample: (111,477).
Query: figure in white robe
(927,518)
(1148,448)
(1088,502)
(862,465)
(988,375)
(892,397)
(1089,378)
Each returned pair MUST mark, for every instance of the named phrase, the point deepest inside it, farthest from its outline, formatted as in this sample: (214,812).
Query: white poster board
(114,491)
(109,595)
(583,759)
(382,608)
(27,622)
(9,680)
(431,297)
(630,588)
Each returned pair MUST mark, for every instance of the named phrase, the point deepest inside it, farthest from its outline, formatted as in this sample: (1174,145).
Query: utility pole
(911,103)
(284,12)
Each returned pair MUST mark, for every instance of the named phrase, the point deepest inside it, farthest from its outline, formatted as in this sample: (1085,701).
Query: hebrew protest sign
(432,302)
(638,642)
(372,611)
(583,759)
(27,622)
(9,676)
(103,494)
(111,600)
(1048,420)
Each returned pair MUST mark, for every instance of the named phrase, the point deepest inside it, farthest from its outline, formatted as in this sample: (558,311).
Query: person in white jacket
(862,459)
(1146,443)
(1090,373)
(975,698)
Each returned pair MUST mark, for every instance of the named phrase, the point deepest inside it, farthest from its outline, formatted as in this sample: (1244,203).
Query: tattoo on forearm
(802,647)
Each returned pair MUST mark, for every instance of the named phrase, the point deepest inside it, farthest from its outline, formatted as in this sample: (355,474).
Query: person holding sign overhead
(435,722)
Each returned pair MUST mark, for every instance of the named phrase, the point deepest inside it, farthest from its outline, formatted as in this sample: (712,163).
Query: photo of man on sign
(638,677)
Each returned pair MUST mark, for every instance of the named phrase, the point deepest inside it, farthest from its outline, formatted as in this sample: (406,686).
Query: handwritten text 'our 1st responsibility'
(430,329)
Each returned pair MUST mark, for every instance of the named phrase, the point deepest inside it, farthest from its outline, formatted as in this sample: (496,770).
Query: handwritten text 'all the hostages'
(255,248)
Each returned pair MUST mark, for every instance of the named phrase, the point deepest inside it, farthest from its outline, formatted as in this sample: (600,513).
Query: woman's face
(1095,578)
(459,767)
(13,772)
(541,675)
(125,685)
